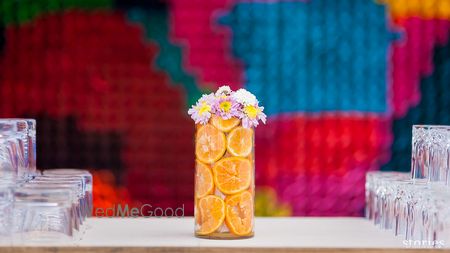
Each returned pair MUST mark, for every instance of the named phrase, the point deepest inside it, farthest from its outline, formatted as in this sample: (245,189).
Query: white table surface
(269,232)
(283,233)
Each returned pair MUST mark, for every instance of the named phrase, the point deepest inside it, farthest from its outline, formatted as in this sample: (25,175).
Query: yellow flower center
(225,106)
(251,111)
(204,107)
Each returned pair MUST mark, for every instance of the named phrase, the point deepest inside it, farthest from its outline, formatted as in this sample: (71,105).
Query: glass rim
(74,183)
(26,119)
(42,190)
(66,171)
(70,188)
(77,183)
(53,190)
(431,126)
(38,203)
(11,128)
(60,178)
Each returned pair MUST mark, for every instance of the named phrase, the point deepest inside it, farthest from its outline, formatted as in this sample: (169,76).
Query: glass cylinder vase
(224,179)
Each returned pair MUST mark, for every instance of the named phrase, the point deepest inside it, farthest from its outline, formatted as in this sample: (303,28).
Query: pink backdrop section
(318,163)
(207,45)
(412,59)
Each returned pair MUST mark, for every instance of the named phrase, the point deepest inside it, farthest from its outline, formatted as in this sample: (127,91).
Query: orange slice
(232,174)
(240,141)
(210,144)
(224,125)
(211,214)
(239,213)
(204,183)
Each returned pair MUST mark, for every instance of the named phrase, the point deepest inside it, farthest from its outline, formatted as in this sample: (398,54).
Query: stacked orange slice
(210,144)
(224,182)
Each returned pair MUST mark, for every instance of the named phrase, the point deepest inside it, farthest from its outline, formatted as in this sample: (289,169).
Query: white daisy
(223,91)
(244,97)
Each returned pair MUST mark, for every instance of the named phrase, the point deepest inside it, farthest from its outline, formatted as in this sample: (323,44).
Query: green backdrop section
(22,11)
(170,57)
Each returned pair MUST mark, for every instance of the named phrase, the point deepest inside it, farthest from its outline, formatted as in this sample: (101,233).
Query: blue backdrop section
(311,51)
(434,109)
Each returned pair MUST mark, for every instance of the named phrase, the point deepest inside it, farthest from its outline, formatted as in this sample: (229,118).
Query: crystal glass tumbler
(421,142)
(12,149)
(430,156)
(42,214)
(88,181)
(21,134)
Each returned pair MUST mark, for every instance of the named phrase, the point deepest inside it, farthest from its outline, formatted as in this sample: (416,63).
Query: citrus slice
(240,141)
(210,144)
(204,183)
(232,174)
(224,125)
(239,213)
(211,214)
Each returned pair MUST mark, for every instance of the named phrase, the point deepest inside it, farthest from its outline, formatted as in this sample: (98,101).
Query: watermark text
(146,210)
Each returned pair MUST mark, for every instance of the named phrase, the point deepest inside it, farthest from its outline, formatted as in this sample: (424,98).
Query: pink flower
(251,115)
(227,107)
(201,112)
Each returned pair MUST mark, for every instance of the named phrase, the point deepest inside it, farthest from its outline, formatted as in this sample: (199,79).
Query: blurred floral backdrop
(110,81)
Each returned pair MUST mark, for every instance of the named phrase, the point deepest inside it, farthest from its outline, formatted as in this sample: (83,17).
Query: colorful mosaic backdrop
(110,82)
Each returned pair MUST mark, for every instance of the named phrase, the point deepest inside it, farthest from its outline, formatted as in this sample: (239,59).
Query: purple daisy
(252,114)
(201,111)
(227,107)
